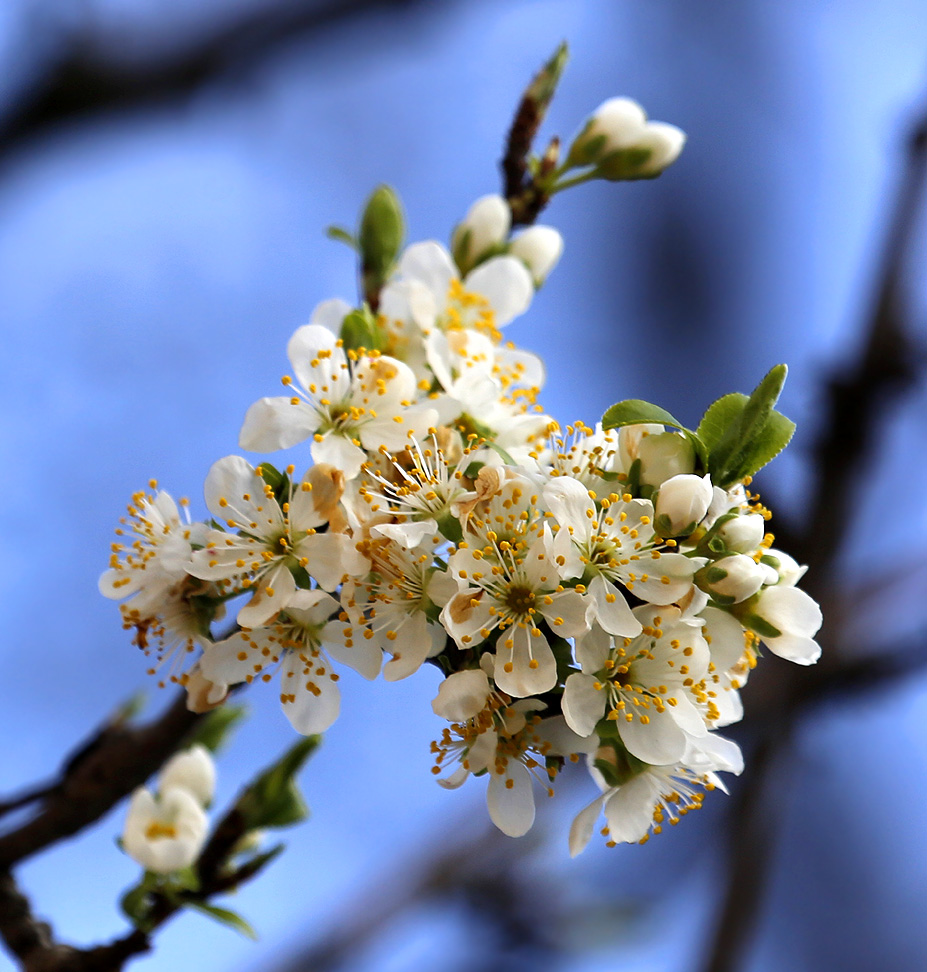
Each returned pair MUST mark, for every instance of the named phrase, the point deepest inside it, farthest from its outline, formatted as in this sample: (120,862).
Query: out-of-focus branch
(525,190)
(81,84)
(113,763)
(33,943)
(889,363)
(484,871)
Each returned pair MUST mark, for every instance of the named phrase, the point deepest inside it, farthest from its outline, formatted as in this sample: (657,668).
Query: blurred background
(167,170)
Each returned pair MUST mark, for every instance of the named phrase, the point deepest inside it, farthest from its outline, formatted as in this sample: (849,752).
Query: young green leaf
(273,799)
(340,234)
(633,411)
(215,726)
(224,916)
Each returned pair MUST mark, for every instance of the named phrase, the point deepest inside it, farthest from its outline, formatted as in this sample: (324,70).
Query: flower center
(520,600)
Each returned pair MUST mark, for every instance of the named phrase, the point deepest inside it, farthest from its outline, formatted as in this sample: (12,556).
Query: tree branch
(889,363)
(115,761)
(81,84)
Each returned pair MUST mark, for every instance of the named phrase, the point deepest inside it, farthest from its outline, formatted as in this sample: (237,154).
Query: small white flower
(653,795)
(164,833)
(271,540)
(509,585)
(192,770)
(299,644)
(620,121)
(653,687)
(614,543)
(346,401)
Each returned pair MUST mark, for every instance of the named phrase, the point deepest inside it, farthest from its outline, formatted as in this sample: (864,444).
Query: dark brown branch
(889,363)
(116,761)
(81,84)
(526,192)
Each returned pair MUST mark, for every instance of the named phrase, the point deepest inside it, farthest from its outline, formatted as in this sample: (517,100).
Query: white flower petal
(511,800)
(506,283)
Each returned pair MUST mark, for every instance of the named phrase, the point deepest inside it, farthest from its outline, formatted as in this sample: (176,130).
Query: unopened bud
(742,534)
(485,227)
(663,456)
(733,579)
(615,124)
(664,142)
(193,771)
(539,247)
(681,504)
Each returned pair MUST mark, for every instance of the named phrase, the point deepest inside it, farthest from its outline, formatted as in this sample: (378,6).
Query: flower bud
(193,771)
(664,142)
(742,534)
(615,124)
(663,456)
(732,579)
(787,567)
(681,503)
(540,248)
(485,226)
(787,620)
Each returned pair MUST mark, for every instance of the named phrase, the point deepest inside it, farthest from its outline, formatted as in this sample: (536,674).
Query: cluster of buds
(589,592)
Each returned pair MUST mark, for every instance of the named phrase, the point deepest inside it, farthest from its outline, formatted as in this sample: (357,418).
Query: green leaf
(215,726)
(273,799)
(719,419)
(633,411)
(340,234)
(765,446)
(224,916)
(271,475)
(743,433)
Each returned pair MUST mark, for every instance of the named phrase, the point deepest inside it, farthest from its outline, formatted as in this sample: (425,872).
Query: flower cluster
(599,592)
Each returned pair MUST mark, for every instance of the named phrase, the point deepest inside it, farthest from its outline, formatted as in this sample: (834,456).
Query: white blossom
(164,833)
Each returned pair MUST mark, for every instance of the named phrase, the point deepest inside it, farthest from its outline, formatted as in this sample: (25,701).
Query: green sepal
(635,411)
(450,528)
(760,625)
(273,799)
(271,475)
(135,903)
(213,729)
(224,916)
(625,164)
